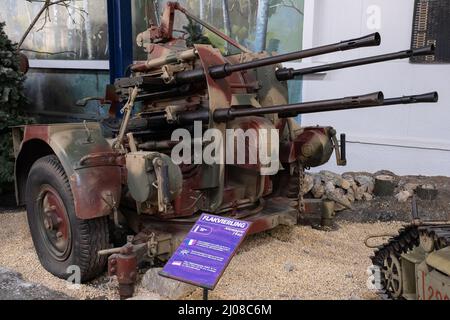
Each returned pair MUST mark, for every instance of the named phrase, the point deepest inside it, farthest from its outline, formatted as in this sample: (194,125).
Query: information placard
(206,251)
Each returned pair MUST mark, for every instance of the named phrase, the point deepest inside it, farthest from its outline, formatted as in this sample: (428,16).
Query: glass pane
(238,18)
(77,31)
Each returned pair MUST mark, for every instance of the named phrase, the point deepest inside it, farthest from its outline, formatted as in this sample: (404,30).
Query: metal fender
(93,168)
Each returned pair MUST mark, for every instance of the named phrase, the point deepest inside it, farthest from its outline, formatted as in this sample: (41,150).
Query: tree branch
(45,10)
(291,5)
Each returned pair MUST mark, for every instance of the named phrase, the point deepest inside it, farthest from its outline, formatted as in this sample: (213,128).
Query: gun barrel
(225,70)
(285,111)
(290,73)
(432,97)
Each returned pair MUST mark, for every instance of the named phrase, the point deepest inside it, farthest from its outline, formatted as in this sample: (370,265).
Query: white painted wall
(407,139)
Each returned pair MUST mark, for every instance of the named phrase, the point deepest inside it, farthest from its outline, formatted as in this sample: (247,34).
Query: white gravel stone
(403,196)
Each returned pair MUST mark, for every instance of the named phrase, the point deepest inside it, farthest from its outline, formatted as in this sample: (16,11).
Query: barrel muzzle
(425,51)
(285,74)
(370,40)
(432,97)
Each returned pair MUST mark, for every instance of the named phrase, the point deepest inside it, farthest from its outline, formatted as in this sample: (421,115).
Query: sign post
(206,252)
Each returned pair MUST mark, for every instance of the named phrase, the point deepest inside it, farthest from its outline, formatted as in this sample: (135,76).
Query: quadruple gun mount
(120,173)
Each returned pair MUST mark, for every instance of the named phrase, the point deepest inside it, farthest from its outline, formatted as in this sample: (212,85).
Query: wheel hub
(393,276)
(55,223)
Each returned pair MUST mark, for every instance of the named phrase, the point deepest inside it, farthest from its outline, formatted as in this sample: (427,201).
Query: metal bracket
(340,149)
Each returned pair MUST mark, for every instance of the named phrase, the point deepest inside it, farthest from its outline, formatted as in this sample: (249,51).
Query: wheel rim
(54,224)
(393,276)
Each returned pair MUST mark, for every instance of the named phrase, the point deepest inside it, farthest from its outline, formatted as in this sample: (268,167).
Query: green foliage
(216,41)
(12,101)
(195,33)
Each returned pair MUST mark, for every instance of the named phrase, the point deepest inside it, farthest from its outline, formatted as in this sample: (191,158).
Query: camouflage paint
(96,185)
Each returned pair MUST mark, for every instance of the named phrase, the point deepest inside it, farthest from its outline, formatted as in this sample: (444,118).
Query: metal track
(406,240)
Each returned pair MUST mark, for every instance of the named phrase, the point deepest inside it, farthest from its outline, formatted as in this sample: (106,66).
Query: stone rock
(349,275)
(351,197)
(329,187)
(171,289)
(403,196)
(410,187)
(345,184)
(339,207)
(337,195)
(359,193)
(348,176)
(13,287)
(318,191)
(289,267)
(367,197)
(328,176)
(308,184)
(340,191)
(367,182)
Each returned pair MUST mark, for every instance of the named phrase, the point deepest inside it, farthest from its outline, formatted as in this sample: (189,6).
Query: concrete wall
(406,139)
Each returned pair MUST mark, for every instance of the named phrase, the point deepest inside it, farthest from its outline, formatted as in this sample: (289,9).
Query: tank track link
(407,239)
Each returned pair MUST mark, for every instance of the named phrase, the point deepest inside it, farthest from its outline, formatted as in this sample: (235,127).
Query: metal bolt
(113,262)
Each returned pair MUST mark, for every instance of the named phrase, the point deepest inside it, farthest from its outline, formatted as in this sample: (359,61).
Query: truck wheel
(65,245)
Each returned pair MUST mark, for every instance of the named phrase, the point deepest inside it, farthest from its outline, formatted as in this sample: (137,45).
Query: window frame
(308,38)
(69,64)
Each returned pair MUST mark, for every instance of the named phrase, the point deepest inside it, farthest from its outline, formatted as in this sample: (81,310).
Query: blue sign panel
(207,250)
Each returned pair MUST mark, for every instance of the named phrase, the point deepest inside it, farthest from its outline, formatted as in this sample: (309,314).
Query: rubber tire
(88,236)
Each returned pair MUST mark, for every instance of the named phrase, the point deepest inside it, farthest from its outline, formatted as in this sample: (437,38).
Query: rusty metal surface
(93,169)
(96,191)
(54,217)
(125,268)
(312,145)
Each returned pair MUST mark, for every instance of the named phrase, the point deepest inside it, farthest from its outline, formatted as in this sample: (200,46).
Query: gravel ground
(303,264)
(17,254)
(287,263)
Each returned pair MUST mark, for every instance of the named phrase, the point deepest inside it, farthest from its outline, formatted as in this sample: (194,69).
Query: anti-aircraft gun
(150,174)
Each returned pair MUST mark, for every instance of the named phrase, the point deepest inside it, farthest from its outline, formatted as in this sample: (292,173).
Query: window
(238,18)
(76,32)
